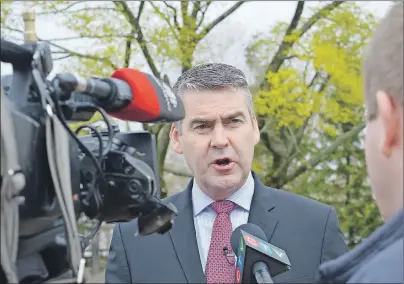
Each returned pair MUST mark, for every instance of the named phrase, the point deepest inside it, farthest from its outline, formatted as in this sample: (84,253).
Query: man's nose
(219,137)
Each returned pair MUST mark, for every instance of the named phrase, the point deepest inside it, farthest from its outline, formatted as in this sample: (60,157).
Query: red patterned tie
(218,268)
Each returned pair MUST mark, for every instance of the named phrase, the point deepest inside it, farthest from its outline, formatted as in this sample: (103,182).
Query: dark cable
(86,239)
(85,150)
(109,142)
(98,134)
(107,122)
(119,175)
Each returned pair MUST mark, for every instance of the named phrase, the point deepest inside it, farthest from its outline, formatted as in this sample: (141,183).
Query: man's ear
(175,139)
(391,116)
(257,135)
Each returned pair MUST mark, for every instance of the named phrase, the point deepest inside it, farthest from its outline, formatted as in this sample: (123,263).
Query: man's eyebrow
(233,115)
(230,116)
(200,121)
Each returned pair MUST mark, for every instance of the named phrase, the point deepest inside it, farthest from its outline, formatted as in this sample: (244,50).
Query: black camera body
(113,175)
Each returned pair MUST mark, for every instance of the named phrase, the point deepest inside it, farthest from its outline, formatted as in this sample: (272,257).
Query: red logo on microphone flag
(251,241)
(238,275)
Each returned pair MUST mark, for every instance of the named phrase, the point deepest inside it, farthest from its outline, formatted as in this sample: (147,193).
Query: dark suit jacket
(307,230)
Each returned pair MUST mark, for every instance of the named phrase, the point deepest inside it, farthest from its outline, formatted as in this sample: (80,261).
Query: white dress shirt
(204,216)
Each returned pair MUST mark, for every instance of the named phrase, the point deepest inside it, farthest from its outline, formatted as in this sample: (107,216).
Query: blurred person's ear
(390,114)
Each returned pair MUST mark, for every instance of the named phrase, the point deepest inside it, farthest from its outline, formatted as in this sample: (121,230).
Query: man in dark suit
(217,138)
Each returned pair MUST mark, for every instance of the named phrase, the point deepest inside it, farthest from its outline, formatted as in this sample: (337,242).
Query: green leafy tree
(310,108)
(307,88)
(165,33)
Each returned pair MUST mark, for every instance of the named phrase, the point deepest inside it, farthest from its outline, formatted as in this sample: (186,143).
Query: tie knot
(223,206)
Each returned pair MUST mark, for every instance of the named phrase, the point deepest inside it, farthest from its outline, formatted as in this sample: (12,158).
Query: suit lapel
(183,237)
(261,206)
(185,243)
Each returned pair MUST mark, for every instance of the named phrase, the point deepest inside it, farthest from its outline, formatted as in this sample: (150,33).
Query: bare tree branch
(296,17)
(184,13)
(61,10)
(61,57)
(296,136)
(177,26)
(93,37)
(286,45)
(13,29)
(134,22)
(166,19)
(313,80)
(73,53)
(88,56)
(178,172)
(301,130)
(163,140)
(128,48)
(305,70)
(204,9)
(326,152)
(139,13)
(71,11)
(196,8)
(319,15)
(219,19)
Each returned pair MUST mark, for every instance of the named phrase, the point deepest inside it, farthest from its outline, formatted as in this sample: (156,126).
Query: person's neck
(393,202)
(220,195)
(393,206)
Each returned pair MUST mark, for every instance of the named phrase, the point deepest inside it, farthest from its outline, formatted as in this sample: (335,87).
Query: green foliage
(166,34)
(341,181)
(5,11)
(333,51)
(315,97)
(289,101)
(311,96)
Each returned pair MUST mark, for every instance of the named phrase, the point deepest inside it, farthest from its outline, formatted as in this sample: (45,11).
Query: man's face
(217,139)
(384,156)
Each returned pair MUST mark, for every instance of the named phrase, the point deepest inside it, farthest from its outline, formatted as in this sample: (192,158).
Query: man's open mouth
(222,162)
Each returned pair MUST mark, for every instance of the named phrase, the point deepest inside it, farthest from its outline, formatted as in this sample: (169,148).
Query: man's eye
(202,126)
(236,121)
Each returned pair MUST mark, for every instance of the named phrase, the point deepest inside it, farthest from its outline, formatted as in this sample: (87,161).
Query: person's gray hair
(213,76)
(383,61)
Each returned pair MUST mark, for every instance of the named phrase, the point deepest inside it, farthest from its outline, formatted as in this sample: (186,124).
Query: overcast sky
(230,37)
(234,33)
(228,40)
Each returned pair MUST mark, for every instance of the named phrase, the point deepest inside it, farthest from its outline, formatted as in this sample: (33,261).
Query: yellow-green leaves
(289,100)
(333,51)
(5,10)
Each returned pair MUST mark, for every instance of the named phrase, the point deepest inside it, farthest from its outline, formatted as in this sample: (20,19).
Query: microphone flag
(252,249)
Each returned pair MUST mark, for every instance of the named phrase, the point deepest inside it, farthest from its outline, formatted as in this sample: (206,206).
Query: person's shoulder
(386,266)
(172,198)
(299,201)
(132,226)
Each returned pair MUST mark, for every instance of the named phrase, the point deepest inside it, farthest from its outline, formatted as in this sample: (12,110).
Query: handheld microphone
(128,95)
(257,260)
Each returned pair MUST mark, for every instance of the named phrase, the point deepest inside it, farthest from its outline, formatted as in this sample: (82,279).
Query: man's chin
(226,182)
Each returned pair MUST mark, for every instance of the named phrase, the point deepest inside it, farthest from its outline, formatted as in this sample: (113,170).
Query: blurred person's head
(383,88)
(219,131)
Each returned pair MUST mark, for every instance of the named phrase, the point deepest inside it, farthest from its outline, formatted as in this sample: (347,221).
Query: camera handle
(12,183)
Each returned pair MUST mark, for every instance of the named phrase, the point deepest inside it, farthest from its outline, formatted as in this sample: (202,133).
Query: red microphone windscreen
(145,105)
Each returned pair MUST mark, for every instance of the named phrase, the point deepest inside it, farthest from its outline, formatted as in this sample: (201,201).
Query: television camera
(50,175)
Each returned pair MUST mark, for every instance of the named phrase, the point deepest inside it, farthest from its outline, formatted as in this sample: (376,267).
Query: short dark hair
(383,60)
(213,76)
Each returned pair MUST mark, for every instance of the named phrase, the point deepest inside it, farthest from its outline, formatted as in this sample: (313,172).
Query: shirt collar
(242,197)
